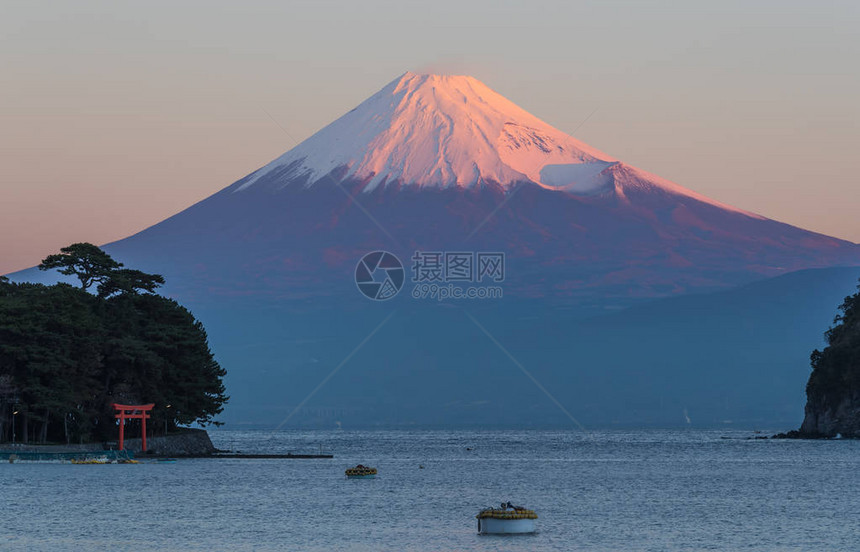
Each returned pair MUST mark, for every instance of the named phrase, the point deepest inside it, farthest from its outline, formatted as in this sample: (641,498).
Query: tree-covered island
(833,391)
(67,353)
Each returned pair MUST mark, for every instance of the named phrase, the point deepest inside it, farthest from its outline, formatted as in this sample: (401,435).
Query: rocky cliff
(833,391)
(831,418)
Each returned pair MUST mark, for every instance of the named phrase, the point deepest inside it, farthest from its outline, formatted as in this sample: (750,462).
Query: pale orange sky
(113,117)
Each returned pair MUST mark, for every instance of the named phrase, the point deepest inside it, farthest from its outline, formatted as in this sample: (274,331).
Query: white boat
(507,520)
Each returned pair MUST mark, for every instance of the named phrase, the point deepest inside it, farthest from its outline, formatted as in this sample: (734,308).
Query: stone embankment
(191,442)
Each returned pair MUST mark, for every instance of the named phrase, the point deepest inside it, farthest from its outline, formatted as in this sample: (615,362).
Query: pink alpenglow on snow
(453,130)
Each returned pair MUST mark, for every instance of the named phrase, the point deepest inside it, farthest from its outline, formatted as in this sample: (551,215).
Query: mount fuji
(436,162)
(444,163)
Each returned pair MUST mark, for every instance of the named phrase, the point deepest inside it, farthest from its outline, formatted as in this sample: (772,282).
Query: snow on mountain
(443,131)
(434,130)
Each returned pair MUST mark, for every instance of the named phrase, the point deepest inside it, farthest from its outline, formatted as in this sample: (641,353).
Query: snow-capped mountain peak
(437,130)
(427,130)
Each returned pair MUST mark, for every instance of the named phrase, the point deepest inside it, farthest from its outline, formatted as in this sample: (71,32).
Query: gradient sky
(114,116)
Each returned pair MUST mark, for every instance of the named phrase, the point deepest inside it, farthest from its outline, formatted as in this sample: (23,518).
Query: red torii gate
(131,411)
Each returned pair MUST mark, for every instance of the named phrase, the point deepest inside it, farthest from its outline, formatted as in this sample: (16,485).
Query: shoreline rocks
(829,420)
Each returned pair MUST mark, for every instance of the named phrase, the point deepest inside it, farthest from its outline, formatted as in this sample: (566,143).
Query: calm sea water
(613,490)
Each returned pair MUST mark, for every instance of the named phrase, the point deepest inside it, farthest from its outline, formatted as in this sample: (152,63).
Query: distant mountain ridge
(736,358)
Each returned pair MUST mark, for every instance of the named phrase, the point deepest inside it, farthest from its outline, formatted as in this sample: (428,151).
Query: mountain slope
(304,242)
(736,358)
(444,130)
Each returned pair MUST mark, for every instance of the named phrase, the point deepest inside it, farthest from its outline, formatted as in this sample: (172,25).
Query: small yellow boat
(361,472)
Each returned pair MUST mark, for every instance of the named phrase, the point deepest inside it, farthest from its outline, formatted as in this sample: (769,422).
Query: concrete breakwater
(191,442)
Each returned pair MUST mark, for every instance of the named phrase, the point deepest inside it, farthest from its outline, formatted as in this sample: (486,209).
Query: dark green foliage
(129,281)
(49,352)
(66,355)
(168,362)
(86,261)
(836,369)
